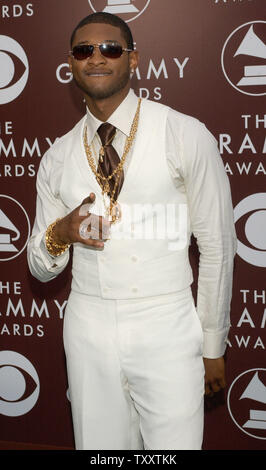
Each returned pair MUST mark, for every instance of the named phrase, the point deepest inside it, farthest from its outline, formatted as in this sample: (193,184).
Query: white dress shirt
(194,164)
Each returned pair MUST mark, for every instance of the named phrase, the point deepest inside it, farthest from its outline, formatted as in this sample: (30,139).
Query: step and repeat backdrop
(206,58)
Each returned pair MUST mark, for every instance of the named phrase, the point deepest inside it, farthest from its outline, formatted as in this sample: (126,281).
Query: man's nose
(96,56)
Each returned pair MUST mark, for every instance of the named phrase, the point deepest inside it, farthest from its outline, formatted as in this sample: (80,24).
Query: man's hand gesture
(82,226)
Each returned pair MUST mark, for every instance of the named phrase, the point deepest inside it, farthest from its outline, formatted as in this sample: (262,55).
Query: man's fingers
(89,199)
(94,227)
(214,386)
(84,207)
(214,375)
(95,243)
(223,382)
(208,390)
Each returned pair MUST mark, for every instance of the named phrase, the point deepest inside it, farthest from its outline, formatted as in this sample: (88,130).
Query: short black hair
(107,18)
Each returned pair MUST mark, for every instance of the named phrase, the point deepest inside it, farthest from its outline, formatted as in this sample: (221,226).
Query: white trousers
(135,372)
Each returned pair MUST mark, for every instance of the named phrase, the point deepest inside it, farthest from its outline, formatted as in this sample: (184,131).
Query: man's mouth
(98,73)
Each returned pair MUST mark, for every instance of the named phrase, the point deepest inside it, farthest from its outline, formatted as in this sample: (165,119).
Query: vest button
(134,258)
(134,289)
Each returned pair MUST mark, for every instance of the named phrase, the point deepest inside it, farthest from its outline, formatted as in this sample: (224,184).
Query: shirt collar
(121,118)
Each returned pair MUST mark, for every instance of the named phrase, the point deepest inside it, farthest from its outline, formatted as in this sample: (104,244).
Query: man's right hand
(67,230)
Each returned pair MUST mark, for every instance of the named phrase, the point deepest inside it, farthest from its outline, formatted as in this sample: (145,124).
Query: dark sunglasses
(110,50)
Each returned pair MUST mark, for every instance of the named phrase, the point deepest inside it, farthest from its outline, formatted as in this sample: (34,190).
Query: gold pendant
(101,154)
(106,188)
(115,213)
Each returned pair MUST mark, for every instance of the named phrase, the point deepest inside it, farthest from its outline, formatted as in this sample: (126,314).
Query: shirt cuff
(215,343)
(52,263)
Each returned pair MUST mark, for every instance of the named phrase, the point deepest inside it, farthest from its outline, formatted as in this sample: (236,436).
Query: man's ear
(133,60)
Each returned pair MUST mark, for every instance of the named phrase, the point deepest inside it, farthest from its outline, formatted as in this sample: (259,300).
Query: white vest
(147,254)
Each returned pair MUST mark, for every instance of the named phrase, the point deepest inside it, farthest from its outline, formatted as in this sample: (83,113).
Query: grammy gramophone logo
(247,402)
(244,58)
(14,228)
(127,9)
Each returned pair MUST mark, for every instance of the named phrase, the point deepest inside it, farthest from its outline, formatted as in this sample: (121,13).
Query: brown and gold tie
(110,158)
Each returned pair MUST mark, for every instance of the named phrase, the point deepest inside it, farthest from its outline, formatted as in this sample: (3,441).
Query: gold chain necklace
(102,147)
(117,210)
(113,212)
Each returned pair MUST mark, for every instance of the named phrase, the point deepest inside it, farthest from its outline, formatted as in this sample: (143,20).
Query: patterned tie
(110,157)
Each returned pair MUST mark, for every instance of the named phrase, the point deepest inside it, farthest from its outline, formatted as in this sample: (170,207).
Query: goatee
(112,89)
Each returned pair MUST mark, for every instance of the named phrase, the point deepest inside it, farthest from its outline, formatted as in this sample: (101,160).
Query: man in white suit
(135,345)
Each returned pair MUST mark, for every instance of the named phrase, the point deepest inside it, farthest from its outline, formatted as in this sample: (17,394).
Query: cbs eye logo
(253,211)
(19,384)
(11,86)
